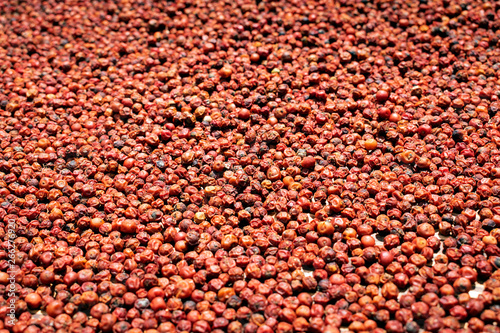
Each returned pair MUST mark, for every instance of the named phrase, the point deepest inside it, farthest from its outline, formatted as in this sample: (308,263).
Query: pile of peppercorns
(249,166)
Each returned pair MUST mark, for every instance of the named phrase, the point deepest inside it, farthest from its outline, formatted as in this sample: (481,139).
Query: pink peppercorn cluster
(250,166)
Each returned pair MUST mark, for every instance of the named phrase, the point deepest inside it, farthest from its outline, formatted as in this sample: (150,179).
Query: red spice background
(250,167)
